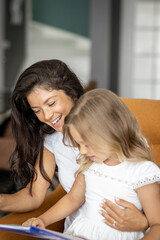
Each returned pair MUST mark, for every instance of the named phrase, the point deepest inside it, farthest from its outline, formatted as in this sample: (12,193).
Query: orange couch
(148,114)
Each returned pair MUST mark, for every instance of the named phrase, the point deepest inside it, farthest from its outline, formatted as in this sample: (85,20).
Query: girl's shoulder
(144,166)
(134,174)
(144,172)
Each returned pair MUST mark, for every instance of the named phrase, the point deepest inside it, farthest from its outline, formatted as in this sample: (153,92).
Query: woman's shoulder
(53,136)
(51,140)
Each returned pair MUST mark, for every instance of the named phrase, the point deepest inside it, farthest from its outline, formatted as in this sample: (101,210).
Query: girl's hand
(36,222)
(127,219)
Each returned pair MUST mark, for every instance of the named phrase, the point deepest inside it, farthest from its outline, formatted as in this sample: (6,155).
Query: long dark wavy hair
(28,131)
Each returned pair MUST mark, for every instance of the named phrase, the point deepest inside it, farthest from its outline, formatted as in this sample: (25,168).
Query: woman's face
(51,107)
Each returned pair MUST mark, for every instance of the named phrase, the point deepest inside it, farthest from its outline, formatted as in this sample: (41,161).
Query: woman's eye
(36,112)
(51,104)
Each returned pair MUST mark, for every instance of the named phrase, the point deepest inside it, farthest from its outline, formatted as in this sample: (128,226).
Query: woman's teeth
(55,121)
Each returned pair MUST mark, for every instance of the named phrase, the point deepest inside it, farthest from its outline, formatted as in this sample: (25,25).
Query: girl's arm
(64,207)
(149,196)
(128,219)
(22,201)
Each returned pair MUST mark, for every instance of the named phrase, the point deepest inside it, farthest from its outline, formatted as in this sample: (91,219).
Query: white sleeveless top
(65,158)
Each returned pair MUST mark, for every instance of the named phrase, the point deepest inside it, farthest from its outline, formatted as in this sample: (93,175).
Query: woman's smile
(56,121)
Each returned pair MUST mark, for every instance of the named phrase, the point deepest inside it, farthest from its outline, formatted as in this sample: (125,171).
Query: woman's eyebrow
(34,107)
(49,99)
(45,101)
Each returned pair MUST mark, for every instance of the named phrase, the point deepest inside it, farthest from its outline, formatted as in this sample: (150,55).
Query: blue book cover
(37,232)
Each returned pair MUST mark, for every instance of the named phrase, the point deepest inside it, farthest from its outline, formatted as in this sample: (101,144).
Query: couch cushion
(147,112)
(155,149)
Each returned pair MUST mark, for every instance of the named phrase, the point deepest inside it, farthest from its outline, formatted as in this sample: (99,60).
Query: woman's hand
(127,219)
(36,222)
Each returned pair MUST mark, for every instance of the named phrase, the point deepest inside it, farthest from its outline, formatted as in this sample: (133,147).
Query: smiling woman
(44,92)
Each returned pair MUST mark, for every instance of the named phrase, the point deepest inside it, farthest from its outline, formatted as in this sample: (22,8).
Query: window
(144,54)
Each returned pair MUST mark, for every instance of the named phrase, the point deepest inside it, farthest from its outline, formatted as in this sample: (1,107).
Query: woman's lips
(56,121)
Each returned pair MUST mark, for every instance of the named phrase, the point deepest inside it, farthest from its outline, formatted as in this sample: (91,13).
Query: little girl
(115,162)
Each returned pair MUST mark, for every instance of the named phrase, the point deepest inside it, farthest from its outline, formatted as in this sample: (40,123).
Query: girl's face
(51,107)
(95,156)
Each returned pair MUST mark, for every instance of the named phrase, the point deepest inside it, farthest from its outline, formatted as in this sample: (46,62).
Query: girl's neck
(112,161)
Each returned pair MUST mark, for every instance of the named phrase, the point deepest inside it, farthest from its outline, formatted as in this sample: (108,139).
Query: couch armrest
(19,218)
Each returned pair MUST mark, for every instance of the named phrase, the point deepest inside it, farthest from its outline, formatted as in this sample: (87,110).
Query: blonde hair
(105,123)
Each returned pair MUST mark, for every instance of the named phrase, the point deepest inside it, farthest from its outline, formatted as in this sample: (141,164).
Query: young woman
(115,162)
(42,98)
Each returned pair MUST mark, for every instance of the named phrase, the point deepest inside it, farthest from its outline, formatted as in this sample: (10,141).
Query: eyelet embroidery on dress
(147,180)
(140,183)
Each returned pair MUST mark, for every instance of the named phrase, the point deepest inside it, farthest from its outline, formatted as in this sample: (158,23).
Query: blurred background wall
(114,42)
(70,15)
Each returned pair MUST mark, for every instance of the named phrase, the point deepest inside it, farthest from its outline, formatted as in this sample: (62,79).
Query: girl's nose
(83,150)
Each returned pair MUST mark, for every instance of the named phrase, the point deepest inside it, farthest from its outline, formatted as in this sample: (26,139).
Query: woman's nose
(48,115)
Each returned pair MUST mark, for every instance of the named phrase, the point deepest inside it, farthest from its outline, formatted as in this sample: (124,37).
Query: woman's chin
(57,128)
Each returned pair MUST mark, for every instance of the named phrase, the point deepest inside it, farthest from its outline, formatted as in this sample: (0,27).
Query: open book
(37,232)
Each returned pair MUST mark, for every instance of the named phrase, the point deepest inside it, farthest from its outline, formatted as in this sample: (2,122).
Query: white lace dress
(109,182)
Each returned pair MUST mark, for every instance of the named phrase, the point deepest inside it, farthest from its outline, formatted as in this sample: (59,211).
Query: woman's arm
(64,207)
(22,201)
(149,196)
(128,218)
